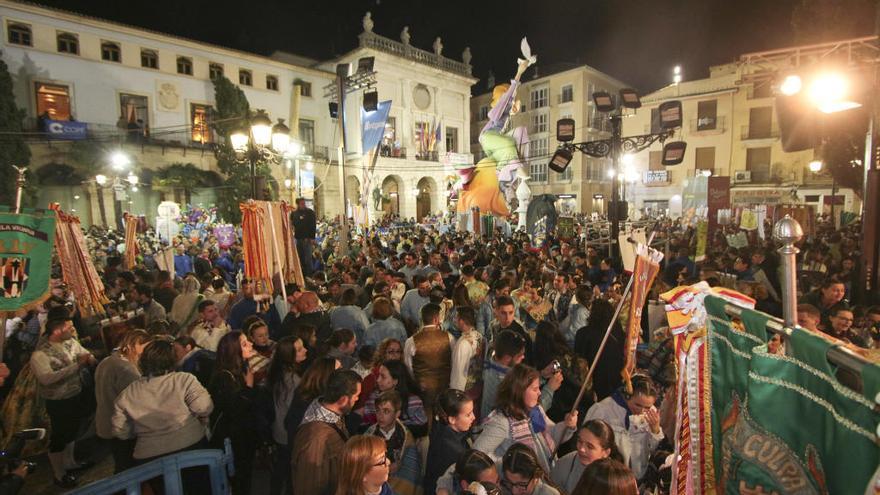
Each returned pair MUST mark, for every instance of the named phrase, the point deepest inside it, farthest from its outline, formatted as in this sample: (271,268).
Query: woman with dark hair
(388,350)
(165,410)
(461,299)
(472,466)
(607,477)
(237,412)
(635,421)
(550,349)
(308,334)
(284,376)
(606,377)
(310,388)
(595,441)
(395,375)
(519,418)
(450,434)
(522,473)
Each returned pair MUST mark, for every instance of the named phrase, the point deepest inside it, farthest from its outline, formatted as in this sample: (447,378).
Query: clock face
(422,97)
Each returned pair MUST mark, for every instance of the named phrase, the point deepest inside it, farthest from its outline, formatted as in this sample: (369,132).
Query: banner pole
(626,292)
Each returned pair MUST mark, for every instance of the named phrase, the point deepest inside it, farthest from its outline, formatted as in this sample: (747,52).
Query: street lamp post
(261,141)
(815,167)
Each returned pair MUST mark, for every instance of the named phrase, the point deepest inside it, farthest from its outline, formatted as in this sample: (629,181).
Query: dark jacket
(319,320)
(606,377)
(445,447)
(304,224)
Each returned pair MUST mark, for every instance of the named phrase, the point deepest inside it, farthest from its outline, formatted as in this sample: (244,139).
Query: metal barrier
(218,462)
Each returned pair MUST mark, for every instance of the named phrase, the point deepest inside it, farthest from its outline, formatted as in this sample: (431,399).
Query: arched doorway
(427,187)
(391,190)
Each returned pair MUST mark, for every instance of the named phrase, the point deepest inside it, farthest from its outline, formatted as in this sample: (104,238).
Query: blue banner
(66,129)
(373,125)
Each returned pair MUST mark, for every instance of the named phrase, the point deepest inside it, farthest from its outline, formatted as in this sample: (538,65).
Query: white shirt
(636,443)
(462,352)
(209,337)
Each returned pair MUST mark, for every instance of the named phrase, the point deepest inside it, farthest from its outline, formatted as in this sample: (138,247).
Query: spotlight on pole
(791,85)
(629,98)
(670,114)
(676,74)
(829,93)
(560,160)
(604,101)
(565,130)
(673,153)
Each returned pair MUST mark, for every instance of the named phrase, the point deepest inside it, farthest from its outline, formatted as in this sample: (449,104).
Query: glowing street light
(791,85)
(101,179)
(119,160)
(815,166)
(611,173)
(676,74)
(132,179)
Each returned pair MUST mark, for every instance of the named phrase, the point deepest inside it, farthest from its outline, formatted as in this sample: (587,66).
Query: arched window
(68,43)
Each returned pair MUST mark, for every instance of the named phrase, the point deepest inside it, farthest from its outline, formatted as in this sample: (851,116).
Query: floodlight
(604,101)
(629,98)
(565,130)
(560,160)
(815,166)
(828,92)
(673,152)
(101,179)
(334,109)
(791,85)
(670,114)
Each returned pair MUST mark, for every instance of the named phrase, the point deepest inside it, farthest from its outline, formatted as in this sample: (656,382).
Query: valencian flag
(26,243)
(646,269)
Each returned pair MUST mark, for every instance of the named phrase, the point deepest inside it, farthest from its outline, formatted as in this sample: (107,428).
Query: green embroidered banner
(26,243)
(784,423)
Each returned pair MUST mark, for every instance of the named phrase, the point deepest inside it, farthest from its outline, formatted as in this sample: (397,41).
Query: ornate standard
(788,231)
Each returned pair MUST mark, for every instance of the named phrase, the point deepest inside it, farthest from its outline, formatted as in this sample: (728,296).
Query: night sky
(636,41)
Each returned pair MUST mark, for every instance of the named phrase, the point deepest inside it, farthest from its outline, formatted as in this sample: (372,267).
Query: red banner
(718,198)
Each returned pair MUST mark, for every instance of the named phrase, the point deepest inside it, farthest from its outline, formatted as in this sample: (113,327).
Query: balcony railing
(708,125)
(383,44)
(392,152)
(315,151)
(758,133)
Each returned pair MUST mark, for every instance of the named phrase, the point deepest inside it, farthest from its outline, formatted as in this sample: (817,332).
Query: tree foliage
(232,112)
(14,151)
(185,176)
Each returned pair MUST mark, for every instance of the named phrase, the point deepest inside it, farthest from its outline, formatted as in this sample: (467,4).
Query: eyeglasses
(510,485)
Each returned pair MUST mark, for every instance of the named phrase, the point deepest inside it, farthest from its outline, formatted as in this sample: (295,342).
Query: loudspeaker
(371,101)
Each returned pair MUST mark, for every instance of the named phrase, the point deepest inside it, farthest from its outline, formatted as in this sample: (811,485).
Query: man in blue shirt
(413,300)
(183,263)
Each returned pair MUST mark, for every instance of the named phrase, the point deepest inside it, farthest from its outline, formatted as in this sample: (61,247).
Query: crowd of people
(417,362)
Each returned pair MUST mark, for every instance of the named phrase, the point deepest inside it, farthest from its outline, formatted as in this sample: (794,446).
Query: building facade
(731,129)
(103,87)
(584,187)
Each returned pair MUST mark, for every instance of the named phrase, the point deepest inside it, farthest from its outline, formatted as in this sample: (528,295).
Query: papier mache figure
(489,185)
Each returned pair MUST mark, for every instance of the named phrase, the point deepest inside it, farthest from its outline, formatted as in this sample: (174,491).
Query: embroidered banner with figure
(26,243)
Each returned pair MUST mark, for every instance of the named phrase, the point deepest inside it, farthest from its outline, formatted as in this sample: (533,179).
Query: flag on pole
(646,269)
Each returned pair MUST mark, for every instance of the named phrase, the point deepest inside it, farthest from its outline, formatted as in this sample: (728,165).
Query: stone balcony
(409,52)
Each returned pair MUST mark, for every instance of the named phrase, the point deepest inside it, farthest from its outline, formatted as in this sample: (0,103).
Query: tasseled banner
(78,271)
(131,247)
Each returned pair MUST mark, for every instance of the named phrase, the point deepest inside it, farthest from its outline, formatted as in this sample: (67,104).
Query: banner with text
(373,125)
(26,243)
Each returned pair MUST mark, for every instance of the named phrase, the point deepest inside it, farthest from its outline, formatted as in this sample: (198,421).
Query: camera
(556,366)
(11,455)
